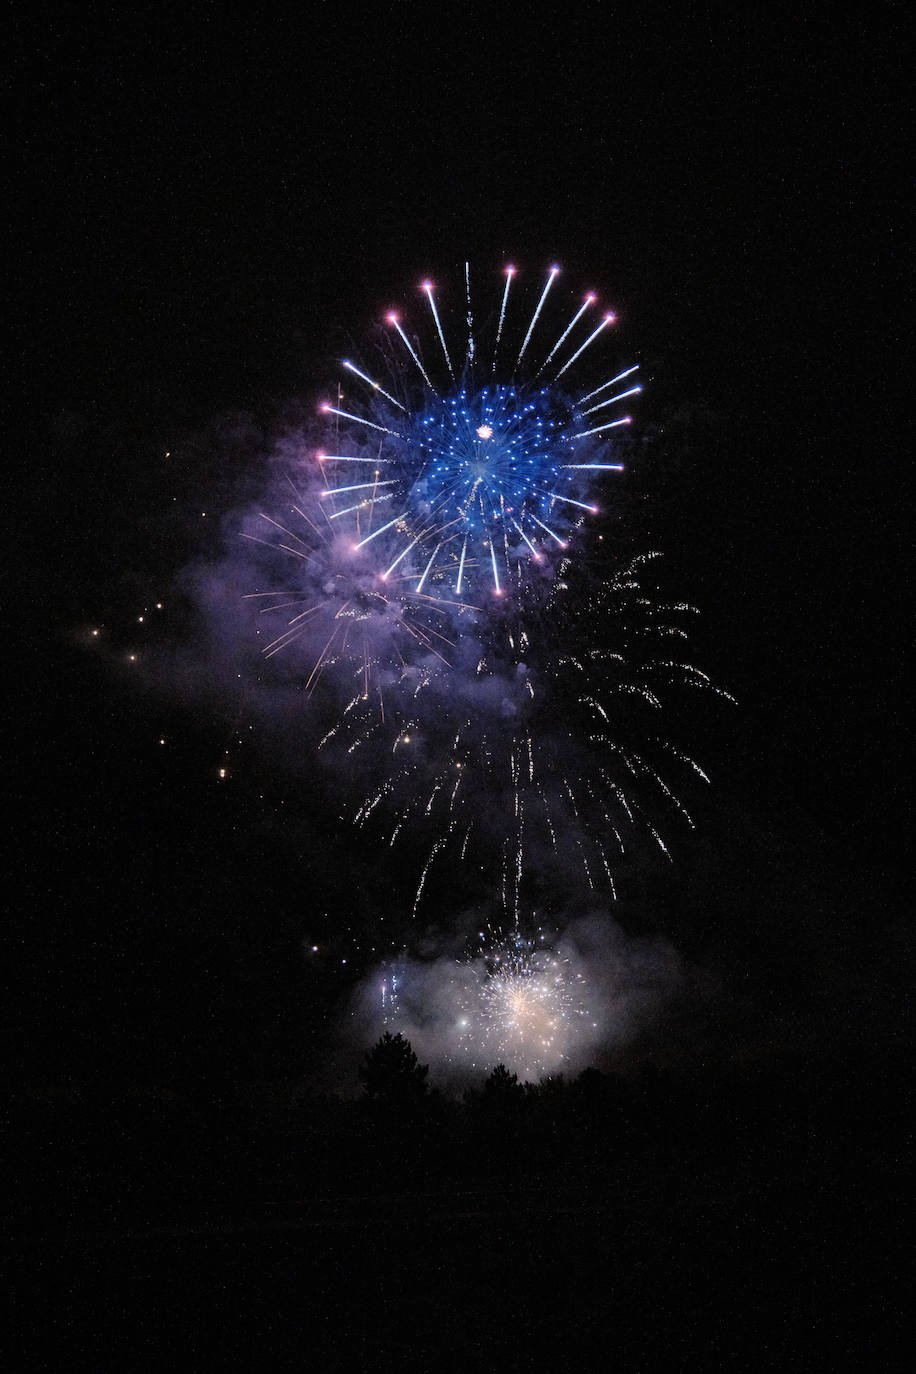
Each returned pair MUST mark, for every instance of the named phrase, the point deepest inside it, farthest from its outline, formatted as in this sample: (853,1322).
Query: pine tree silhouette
(390,1073)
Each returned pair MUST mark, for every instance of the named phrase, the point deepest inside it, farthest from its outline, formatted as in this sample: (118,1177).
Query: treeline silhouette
(784,1125)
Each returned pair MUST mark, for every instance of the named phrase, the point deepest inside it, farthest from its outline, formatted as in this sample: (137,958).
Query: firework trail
(428,576)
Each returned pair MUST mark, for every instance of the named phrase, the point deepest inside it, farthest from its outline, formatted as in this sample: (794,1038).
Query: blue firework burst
(464,478)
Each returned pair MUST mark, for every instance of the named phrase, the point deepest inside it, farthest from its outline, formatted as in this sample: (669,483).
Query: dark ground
(478,1284)
(752,1220)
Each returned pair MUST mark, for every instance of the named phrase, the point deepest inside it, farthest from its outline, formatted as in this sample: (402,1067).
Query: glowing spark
(393,319)
(375,533)
(427,568)
(633,391)
(534,317)
(602,428)
(375,386)
(401,555)
(361,505)
(347,458)
(357,486)
(495,573)
(553,535)
(360,420)
(510,273)
(464,549)
(428,288)
(604,385)
(608,319)
(527,540)
(589,300)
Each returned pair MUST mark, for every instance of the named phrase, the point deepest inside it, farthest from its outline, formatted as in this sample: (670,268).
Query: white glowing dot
(485,432)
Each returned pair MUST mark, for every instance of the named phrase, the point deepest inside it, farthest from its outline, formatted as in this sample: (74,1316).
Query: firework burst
(525,1006)
(495,696)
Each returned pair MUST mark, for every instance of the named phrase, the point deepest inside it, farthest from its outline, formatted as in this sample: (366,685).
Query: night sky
(203,209)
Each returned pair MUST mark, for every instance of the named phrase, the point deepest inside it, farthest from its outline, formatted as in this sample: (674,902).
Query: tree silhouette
(503,1087)
(390,1074)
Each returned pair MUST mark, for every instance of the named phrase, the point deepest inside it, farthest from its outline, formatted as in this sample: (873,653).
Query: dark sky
(201,205)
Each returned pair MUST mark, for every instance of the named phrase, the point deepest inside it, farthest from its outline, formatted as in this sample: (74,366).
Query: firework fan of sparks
(514,999)
(499,699)
(525,1008)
